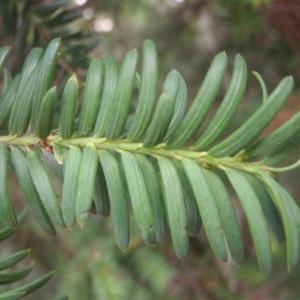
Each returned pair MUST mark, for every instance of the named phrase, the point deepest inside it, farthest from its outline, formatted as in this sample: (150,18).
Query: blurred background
(188,33)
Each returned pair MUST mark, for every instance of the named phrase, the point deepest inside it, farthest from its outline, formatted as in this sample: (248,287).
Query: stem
(202,158)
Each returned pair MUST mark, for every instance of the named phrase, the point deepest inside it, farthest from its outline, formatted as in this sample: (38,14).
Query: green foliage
(260,2)
(9,276)
(31,23)
(156,157)
(108,273)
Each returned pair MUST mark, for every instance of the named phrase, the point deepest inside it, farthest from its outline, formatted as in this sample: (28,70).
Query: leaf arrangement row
(8,276)
(152,154)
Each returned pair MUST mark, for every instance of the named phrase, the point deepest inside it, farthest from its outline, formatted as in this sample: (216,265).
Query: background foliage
(188,34)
